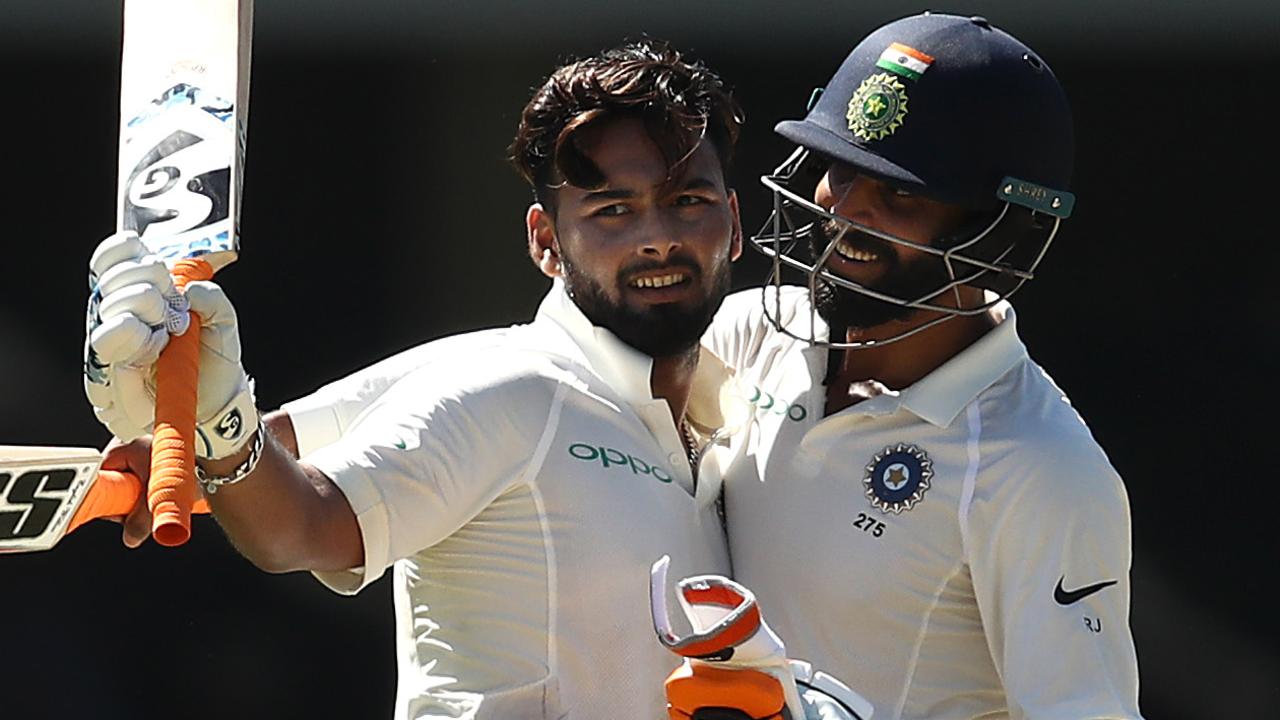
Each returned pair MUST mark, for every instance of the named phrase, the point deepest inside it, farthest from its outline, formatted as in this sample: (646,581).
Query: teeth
(660,281)
(851,253)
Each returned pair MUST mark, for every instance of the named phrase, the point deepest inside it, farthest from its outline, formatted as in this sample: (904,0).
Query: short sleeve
(428,454)
(1048,543)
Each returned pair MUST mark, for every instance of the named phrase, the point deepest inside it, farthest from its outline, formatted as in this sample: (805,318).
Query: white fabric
(521,481)
(133,309)
(827,698)
(946,609)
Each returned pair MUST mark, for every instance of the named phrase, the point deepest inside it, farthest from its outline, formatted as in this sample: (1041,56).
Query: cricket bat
(47,492)
(184,91)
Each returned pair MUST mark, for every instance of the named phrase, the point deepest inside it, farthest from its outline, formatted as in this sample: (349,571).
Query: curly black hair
(680,102)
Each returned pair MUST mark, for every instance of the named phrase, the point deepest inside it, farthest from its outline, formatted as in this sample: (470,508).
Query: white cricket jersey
(522,482)
(958,549)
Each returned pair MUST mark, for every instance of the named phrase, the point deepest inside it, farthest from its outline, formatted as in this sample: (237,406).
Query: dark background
(379,213)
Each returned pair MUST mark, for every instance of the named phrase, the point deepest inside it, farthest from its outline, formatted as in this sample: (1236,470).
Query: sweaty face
(646,256)
(899,271)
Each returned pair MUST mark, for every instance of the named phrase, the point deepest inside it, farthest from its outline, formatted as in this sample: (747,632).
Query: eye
(690,200)
(614,210)
(840,174)
(897,196)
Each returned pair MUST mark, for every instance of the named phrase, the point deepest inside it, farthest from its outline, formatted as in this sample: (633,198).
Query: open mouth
(861,252)
(852,246)
(659,281)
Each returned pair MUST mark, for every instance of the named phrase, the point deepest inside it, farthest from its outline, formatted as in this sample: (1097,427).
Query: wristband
(226,433)
(212,483)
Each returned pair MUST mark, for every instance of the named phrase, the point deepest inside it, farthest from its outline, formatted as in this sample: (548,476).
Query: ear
(544,249)
(735,244)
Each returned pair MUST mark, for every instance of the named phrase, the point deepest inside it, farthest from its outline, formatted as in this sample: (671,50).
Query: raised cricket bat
(47,492)
(184,91)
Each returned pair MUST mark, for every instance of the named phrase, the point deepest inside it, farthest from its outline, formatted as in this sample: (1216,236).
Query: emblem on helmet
(878,107)
(897,478)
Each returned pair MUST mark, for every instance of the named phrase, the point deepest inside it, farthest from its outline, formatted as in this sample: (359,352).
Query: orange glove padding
(693,689)
(732,660)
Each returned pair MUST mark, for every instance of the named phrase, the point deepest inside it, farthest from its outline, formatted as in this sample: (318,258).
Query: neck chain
(690,445)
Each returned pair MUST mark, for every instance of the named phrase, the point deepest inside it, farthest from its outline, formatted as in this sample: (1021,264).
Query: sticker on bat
(36,505)
(178,178)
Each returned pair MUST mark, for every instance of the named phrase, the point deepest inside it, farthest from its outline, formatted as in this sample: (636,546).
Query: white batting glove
(133,309)
(733,662)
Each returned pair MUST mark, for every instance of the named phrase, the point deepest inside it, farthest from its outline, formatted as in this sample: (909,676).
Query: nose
(658,240)
(660,249)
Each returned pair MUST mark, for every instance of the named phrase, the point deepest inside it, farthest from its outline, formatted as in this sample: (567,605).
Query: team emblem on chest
(897,478)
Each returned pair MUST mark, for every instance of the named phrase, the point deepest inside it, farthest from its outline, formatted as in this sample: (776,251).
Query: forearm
(285,515)
(281,427)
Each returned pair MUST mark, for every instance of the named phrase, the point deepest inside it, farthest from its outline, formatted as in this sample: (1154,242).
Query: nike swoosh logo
(1069,597)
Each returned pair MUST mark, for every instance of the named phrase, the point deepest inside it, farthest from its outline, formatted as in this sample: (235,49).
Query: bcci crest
(878,108)
(897,478)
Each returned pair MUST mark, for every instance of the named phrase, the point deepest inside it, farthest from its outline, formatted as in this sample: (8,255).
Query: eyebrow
(697,183)
(700,183)
(595,195)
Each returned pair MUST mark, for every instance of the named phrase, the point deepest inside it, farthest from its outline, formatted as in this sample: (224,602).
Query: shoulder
(788,306)
(327,413)
(494,378)
(385,372)
(509,369)
(746,325)
(1035,443)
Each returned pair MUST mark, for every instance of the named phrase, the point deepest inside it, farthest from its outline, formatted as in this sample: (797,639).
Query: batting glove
(133,309)
(734,666)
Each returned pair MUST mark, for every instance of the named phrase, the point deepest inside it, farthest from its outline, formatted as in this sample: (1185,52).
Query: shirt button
(674,458)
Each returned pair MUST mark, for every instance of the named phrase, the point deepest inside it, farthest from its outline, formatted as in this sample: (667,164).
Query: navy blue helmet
(946,107)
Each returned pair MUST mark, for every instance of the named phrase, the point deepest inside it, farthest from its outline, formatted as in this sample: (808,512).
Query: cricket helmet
(949,108)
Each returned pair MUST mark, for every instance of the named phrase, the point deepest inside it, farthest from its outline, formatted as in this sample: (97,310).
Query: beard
(843,308)
(665,330)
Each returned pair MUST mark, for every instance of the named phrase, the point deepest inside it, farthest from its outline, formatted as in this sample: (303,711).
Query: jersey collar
(712,403)
(619,365)
(940,396)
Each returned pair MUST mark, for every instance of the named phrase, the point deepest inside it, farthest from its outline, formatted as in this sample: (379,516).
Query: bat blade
(40,490)
(184,97)
(184,91)
(47,492)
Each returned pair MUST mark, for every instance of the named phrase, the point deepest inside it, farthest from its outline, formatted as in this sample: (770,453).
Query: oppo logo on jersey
(609,457)
(764,402)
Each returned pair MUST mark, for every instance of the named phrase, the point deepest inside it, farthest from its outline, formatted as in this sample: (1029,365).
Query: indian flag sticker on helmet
(905,61)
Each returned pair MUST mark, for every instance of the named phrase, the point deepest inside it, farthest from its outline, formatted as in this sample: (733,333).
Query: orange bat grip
(114,494)
(172,490)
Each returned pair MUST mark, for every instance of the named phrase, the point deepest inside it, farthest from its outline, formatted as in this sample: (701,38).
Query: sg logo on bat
(178,184)
(35,505)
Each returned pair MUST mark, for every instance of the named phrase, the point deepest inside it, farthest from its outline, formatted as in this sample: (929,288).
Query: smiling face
(646,254)
(885,267)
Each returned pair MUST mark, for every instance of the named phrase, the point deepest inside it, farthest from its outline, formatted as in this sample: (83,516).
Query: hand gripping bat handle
(172,489)
(114,494)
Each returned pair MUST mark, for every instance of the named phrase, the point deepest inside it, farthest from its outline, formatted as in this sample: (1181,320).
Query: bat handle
(114,494)
(171,491)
